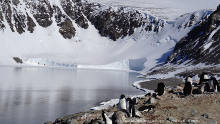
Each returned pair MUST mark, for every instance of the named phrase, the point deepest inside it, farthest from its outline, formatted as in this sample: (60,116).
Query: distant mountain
(201,45)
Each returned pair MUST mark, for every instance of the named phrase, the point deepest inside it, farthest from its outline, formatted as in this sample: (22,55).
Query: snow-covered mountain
(86,34)
(201,45)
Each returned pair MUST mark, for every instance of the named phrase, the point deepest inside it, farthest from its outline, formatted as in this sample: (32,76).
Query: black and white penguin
(202,88)
(189,79)
(131,107)
(152,99)
(187,90)
(203,78)
(160,89)
(147,108)
(122,103)
(216,85)
(106,119)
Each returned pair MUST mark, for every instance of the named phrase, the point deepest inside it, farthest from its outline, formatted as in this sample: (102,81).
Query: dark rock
(30,24)
(8,13)
(66,27)
(48,122)
(19,22)
(43,13)
(2,26)
(18,60)
(15,2)
(59,120)
(74,11)
(115,24)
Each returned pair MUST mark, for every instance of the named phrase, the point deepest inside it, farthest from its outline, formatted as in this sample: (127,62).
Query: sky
(167,9)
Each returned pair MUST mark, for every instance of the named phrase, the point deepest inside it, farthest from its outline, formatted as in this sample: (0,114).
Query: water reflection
(35,95)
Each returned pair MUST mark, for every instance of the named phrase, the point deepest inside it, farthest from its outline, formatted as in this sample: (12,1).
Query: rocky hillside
(110,22)
(201,45)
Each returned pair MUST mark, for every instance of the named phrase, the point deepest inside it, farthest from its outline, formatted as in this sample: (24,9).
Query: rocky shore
(168,108)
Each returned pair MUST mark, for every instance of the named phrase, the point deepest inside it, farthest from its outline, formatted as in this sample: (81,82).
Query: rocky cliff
(115,23)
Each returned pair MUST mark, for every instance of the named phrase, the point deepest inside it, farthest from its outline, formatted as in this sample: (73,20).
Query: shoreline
(181,104)
(169,109)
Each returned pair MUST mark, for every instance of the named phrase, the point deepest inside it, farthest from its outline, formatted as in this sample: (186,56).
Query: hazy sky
(171,8)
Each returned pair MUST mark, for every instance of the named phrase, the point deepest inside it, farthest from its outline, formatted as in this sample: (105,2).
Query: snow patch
(111,103)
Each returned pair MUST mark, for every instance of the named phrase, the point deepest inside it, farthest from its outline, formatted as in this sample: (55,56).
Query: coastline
(169,108)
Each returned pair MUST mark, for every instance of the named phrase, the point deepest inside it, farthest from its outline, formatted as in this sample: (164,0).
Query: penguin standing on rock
(187,90)
(160,89)
(189,79)
(132,109)
(203,78)
(152,99)
(129,105)
(106,119)
(216,86)
(122,103)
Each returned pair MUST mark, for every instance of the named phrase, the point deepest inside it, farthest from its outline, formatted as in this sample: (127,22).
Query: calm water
(35,95)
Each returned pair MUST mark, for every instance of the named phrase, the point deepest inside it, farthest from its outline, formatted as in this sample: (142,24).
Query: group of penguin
(128,105)
(205,84)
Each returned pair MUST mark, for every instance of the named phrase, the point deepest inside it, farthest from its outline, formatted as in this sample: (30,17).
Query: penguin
(152,99)
(211,85)
(187,90)
(216,86)
(122,102)
(202,88)
(189,79)
(133,107)
(203,78)
(160,89)
(106,119)
(147,108)
(129,106)
(207,87)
